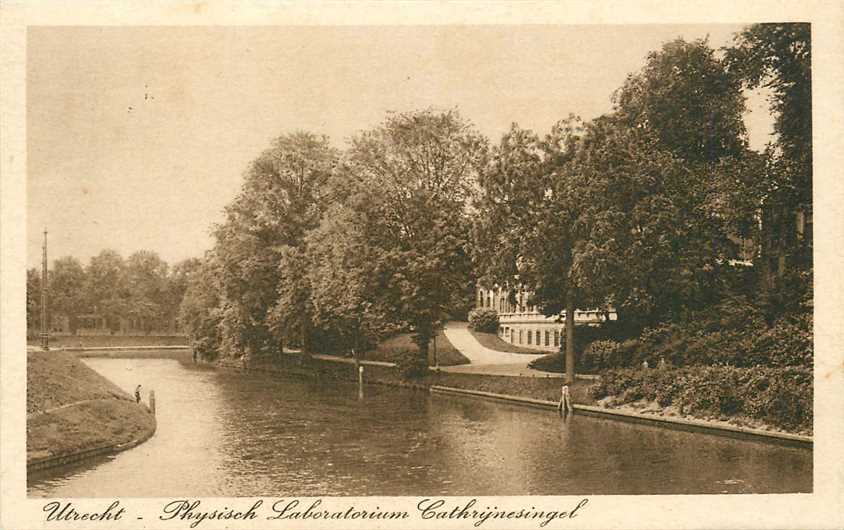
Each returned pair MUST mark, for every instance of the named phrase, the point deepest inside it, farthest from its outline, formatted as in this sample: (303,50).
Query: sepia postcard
(409,265)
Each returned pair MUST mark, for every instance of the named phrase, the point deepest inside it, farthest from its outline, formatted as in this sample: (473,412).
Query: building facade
(522,324)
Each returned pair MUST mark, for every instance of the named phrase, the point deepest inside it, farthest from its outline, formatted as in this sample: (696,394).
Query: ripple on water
(229,434)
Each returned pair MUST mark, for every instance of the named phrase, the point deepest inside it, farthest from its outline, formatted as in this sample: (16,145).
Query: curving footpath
(486,361)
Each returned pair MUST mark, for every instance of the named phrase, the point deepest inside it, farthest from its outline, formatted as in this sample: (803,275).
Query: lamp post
(45,333)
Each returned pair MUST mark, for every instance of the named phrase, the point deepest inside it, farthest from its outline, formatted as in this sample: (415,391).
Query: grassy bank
(184,355)
(543,388)
(398,348)
(95,341)
(71,408)
(494,342)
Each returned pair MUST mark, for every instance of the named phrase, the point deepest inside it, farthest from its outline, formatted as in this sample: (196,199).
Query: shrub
(412,366)
(782,397)
(484,320)
(733,332)
(600,355)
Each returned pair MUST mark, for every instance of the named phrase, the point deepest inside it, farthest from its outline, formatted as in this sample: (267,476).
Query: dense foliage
(781,397)
(142,287)
(658,210)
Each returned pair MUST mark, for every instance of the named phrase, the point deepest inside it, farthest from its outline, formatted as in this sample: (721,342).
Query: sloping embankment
(74,412)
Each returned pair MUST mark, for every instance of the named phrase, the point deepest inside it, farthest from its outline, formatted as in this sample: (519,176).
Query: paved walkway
(486,361)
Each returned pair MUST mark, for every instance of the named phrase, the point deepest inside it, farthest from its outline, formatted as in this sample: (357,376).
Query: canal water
(230,434)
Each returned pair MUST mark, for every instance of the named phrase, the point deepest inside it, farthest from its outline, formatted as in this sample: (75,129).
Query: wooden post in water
(565,407)
(360,382)
(152,402)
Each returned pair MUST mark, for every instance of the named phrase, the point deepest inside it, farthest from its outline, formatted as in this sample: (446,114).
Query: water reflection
(227,434)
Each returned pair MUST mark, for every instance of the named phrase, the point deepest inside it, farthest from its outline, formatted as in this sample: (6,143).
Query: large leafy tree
(177,284)
(420,169)
(526,233)
(147,279)
(778,57)
(107,290)
(651,241)
(67,289)
(687,99)
(670,183)
(344,296)
(200,312)
(280,200)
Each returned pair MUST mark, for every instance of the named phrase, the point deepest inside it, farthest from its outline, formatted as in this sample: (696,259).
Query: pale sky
(138,137)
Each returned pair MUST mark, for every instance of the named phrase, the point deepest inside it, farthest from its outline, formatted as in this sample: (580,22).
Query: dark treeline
(658,209)
(139,294)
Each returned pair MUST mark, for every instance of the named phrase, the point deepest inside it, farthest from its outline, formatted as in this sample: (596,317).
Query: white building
(523,325)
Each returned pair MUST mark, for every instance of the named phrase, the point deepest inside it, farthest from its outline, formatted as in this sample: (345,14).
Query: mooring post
(152,402)
(565,406)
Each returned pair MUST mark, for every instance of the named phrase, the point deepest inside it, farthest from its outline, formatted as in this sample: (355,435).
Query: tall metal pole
(45,332)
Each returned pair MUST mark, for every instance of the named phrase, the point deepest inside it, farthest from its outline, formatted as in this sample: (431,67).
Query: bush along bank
(767,398)
(75,413)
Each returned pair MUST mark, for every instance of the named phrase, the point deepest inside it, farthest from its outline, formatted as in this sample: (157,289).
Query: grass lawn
(494,342)
(553,362)
(401,346)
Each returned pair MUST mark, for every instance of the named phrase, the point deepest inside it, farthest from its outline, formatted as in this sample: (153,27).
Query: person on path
(138,394)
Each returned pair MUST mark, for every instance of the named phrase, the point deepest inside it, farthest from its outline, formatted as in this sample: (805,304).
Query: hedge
(781,397)
(484,320)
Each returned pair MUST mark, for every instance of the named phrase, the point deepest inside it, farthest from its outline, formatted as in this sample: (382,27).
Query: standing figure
(138,394)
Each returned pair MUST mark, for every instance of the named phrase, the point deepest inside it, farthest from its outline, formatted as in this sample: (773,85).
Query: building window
(556,337)
(520,337)
(547,338)
(530,337)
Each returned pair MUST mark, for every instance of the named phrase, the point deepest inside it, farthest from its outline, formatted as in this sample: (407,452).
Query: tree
(344,296)
(688,100)
(67,289)
(200,312)
(33,300)
(177,285)
(651,242)
(527,229)
(421,170)
(146,277)
(280,200)
(778,57)
(107,290)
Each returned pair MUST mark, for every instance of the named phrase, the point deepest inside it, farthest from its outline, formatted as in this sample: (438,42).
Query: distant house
(524,325)
(92,324)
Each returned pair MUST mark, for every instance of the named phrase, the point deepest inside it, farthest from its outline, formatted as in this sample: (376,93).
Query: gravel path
(485,360)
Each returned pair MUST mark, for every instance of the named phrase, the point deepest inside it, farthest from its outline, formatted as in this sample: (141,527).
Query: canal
(230,434)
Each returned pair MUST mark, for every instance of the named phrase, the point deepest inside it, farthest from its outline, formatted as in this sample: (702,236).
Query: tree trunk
(306,335)
(570,340)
